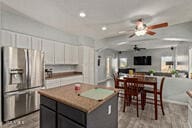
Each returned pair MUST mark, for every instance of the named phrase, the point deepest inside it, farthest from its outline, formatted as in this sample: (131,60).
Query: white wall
(155,57)
(181,50)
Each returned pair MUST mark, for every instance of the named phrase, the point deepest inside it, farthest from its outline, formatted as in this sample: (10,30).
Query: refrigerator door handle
(16,93)
(27,65)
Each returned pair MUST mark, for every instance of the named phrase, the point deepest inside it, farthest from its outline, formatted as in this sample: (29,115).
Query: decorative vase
(173,75)
(151,74)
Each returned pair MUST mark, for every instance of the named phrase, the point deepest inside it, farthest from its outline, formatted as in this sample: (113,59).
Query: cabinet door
(48,48)
(75,56)
(59,53)
(91,65)
(36,43)
(47,118)
(7,38)
(68,54)
(67,123)
(23,41)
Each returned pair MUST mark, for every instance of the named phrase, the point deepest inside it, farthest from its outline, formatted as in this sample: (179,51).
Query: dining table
(146,81)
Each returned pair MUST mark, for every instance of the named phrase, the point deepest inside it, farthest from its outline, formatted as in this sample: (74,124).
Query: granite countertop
(63,74)
(189,92)
(67,95)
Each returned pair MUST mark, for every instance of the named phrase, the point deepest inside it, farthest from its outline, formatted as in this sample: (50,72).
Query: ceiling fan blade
(132,35)
(158,26)
(150,33)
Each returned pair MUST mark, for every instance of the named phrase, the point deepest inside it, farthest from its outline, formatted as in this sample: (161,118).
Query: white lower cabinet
(63,81)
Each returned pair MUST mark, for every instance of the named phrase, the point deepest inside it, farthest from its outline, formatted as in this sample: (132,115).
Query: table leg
(155,100)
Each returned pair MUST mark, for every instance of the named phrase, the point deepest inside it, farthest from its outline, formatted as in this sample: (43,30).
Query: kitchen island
(64,107)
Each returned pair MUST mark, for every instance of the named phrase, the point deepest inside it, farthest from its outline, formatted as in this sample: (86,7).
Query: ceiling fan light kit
(142,29)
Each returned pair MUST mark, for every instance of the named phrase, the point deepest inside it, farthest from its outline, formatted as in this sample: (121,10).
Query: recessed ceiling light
(104,28)
(175,39)
(122,32)
(121,43)
(82,14)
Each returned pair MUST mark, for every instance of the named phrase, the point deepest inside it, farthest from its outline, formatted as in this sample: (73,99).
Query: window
(123,63)
(166,63)
(182,63)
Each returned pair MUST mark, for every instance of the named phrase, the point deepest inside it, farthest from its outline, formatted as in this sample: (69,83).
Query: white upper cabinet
(23,41)
(74,54)
(36,43)
(68,54)
(48,48)
(59,53)
(7,38)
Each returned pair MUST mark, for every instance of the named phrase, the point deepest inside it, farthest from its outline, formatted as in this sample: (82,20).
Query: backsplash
(61,68)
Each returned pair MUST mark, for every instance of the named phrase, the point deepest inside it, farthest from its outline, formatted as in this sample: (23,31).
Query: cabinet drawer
(48,102)
(71,113)
(67,123)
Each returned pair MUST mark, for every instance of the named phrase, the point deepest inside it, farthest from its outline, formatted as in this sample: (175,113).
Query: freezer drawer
(15,105)
(34,101)
(18,104)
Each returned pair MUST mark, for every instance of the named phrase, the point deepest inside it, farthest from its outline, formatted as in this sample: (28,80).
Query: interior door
(15,71)
(36,68)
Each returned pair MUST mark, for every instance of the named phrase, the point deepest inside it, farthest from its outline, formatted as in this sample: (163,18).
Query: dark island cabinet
(64,122)
(47,118)
(54,114)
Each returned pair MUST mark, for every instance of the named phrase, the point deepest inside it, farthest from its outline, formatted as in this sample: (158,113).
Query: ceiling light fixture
(82,14)
(121,43)
(140,32)
(104,28)
(175,39)
(122,32)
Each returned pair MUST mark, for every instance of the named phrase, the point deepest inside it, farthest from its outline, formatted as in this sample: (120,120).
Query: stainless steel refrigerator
(22,77)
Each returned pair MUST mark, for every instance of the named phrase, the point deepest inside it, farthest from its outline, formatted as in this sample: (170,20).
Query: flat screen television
(142,60)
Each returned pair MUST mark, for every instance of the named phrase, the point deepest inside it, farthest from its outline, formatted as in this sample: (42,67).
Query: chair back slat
(131,86)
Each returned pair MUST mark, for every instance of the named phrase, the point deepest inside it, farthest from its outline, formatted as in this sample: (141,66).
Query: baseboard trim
(101,81)
(172,101)
(175,102)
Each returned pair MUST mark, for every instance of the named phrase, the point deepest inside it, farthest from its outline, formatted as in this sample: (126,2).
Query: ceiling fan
(136,48)
(142,29)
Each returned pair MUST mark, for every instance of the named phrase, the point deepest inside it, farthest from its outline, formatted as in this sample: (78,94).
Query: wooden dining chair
(118,85)
(131,89)
(141,77)
(159,92)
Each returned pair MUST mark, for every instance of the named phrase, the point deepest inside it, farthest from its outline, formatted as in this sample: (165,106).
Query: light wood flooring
(175,117)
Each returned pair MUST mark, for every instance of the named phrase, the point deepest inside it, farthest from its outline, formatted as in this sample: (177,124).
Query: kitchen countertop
(189,92)
(62,75)
(67,95)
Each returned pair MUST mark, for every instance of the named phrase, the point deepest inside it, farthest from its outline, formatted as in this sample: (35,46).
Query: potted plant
(151,72)
(174,73)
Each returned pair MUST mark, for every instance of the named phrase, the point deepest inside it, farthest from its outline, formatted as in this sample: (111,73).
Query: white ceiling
(116,15)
